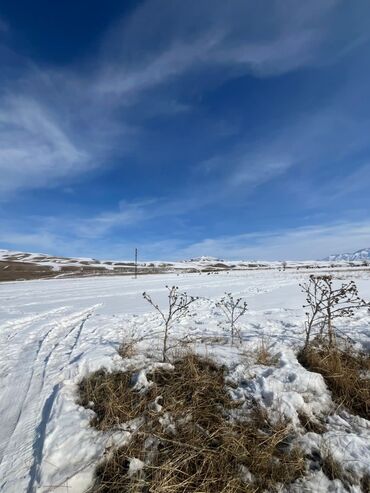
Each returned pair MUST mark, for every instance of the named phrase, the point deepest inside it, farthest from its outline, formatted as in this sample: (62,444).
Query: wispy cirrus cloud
(124,216)
(238,37)
(316,139)
(141,53)
(34,149)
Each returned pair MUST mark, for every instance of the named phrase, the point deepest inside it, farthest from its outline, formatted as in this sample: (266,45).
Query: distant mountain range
(16,266)
(363,254)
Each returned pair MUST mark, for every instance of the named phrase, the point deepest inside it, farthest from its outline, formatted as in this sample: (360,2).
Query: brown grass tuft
(127,349)
(311,424)
(110,396)
(365,483)
(263,355)
(334,470)
(203,449)
(345,373)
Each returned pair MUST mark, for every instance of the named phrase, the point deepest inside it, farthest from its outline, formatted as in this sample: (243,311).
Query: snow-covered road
(54,331)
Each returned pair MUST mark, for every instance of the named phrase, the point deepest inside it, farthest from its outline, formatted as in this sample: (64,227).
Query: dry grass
(365,483)
(127,349)
(196,387)
(346,373)
(263,354)
(334,470)
(311,424)
(192,444)
(111,397)
(193,460)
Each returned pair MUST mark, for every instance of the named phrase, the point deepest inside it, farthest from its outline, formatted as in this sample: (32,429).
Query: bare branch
(232,309)
(325,304)
(178,307)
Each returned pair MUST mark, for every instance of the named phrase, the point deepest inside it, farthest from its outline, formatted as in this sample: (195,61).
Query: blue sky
(236,129)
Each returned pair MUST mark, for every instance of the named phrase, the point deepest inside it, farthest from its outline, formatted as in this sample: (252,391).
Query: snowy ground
(52,332)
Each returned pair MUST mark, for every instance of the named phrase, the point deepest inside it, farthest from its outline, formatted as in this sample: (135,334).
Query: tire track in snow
(83,322)
(24,397)
(21,323)
(38,444)
(51,354)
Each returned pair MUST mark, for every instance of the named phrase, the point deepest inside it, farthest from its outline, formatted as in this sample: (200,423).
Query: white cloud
(321,137)
(179,57)
(40,240)
(34,150)
(126,215)
(132,213)
(146,50)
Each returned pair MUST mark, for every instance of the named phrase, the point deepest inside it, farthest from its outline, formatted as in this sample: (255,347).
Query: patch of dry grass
(234,458)
(263,354)
(334,470)
(311,424)
(192,444)
(196,387)
(127,349)
(346,373)
(365,483)
(110,396)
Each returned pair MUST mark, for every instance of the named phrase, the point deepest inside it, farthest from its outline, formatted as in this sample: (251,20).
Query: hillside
(24,266)
(19,266)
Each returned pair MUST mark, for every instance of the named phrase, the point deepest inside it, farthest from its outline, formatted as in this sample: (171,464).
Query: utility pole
(135,263)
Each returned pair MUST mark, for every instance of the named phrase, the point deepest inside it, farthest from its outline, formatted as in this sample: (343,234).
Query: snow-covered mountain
(363,254)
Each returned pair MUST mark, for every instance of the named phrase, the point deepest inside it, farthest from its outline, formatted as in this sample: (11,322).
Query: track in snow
(38,356)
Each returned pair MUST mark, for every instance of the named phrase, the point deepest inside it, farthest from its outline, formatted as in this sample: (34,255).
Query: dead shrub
(232,309)
(345,372)
(177,309)
(193,445)
(325,304)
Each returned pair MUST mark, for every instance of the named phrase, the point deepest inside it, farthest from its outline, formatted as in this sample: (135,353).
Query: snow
(288,389)
(53,332)
(363,254)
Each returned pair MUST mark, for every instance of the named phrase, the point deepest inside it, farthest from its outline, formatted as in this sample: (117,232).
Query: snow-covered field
(52,332)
